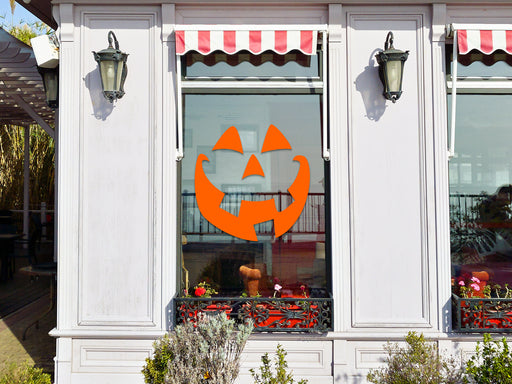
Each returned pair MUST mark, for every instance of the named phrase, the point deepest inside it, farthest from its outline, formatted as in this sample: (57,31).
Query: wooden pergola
(22,98)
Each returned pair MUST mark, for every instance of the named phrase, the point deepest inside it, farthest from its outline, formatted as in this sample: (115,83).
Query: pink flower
(475,286)
(277,287)
(475,279)
(461,283)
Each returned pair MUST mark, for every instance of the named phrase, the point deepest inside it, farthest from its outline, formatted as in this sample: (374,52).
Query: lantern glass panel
(394,70)
(108,75)
(119,75)
(51,80)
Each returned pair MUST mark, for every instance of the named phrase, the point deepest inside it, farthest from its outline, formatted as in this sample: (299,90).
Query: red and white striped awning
(255,42)
(485,41)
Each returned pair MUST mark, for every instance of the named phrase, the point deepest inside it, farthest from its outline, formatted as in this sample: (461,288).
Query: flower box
(477,314)
(267,314)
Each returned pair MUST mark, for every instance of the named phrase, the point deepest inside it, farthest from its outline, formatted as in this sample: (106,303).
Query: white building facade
(378,238)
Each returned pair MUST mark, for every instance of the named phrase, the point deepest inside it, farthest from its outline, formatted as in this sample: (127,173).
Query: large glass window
(480,176)
(254,185)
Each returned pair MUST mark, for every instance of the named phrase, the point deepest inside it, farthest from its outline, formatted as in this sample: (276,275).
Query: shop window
(480,177)
(254,185)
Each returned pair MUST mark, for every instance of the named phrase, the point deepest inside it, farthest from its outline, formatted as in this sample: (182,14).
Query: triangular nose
(253,167)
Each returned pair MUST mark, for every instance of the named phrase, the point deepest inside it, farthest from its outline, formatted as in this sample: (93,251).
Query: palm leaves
(42,170)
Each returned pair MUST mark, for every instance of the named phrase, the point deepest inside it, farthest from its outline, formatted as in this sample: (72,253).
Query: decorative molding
(105,356)
(67,25)
(367,358)
(311,358)
(438,23)
(92,18)
(168,22)
(335,28)
(251,14)
(421,19)
(102,333)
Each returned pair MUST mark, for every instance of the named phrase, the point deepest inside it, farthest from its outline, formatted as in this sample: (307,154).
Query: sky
(21,15)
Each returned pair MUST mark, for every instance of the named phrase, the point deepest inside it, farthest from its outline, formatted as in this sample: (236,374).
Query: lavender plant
(208,351)
(222,345)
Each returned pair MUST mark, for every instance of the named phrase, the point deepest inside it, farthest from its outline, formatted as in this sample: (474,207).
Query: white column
(338,152)
(26,179)
(56,187)
(441,165)
(169,226)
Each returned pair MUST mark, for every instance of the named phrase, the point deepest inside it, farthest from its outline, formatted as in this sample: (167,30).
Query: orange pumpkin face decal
(251,213)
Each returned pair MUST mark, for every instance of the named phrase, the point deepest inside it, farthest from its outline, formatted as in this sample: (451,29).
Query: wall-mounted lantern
(113,70)
(391,66)
(50,78)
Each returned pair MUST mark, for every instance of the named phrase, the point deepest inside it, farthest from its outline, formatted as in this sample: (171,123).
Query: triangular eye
(274,140)
(229,140)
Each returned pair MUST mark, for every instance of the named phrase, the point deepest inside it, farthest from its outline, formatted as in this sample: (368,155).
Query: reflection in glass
(268,64)
(295,260)
(476,64)
(480,195)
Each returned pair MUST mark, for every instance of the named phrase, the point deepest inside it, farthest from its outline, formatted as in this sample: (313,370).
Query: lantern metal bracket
(113,53)
(390,54)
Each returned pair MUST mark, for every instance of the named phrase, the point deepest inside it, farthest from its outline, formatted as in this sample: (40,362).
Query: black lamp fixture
(391,68)
(113,69)
(50,78)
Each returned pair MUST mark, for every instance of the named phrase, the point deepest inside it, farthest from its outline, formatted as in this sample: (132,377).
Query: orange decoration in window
(229,140)
(274,140)
(251,213)
(253,168)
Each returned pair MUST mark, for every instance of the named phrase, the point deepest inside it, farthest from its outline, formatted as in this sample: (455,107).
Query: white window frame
(470,84)
(232,83)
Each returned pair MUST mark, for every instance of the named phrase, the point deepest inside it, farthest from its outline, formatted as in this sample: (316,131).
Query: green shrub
(419,362)
(24,373)
(492,363)
(156,368)
(208,351)
(266,376)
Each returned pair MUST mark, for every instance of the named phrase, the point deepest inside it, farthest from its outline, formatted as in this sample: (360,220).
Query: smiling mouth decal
(209,197)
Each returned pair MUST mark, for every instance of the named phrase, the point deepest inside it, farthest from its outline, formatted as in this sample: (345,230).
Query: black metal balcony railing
(477,314)
(311,221)
(267,314)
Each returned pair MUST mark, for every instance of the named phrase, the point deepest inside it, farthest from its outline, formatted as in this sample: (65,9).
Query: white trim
(482,27)
(477,84)
(250,27)
(326,155)
(179,108)
(451,149)
(251,85)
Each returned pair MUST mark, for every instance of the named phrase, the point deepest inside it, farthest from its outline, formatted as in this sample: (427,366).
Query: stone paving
(32,297)
(39,347)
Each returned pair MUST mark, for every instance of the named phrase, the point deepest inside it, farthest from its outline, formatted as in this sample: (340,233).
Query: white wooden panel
(107,378)
(388,186)
(110,356)
(305,358)
(117,177)
(242,14)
